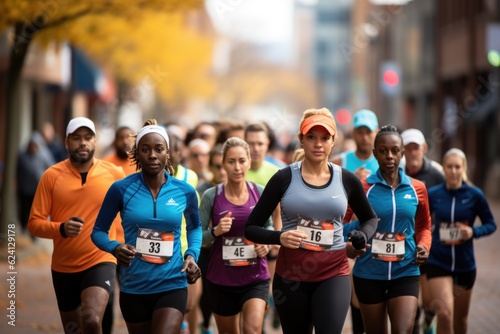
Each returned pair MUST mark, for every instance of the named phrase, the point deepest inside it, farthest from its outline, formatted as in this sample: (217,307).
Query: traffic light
(343,116)
(493,44)
(390,78)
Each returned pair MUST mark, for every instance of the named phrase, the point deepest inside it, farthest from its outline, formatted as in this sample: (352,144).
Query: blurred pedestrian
(451,269)
(197,159)
(418,166)
(65,207)
(275,152)
(216,168)
(386,275)
(228,129)
(206,131)
(122,144)
(53,142)
(154,273)
(31,164)
(261,170)
(361,161)
(311,287)
(237,275)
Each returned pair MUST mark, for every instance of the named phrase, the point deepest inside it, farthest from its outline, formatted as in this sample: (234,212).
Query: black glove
(358,239)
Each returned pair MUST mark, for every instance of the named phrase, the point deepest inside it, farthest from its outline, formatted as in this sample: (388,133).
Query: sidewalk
(36,310)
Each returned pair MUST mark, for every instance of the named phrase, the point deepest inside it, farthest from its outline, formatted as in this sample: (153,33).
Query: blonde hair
(133,152)
(298,155)
(458,153)
(313,112)
(234,142)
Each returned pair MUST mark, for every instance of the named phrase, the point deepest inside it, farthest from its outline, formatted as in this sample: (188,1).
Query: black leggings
(304,305)
(203,260)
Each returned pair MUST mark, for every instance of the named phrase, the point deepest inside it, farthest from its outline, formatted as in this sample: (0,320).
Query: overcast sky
(258,21)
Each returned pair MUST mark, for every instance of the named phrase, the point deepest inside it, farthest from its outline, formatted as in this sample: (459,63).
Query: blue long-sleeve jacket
(458,205)
(402,210)
(138,209)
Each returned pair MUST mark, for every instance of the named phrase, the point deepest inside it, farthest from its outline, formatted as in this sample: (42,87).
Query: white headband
(152,129)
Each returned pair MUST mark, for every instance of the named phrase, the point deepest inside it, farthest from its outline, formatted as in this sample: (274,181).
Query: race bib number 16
(320,233)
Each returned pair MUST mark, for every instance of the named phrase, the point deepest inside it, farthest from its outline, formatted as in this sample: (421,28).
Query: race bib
(449,233)
(238,251)
(388,246)
(154,246)
(319,233)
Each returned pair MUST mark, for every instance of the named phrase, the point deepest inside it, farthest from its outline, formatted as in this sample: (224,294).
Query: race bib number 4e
(320,233)
(238,251)
(388,246)
(154,246)
(449,233)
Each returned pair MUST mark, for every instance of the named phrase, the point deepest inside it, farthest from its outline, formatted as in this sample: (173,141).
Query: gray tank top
(312,208)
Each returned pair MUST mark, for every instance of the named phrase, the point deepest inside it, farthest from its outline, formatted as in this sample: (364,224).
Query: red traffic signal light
(391,78)
(343,116)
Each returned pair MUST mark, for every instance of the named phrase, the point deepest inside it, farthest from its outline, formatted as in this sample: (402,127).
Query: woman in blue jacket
(386,274)
(451,271)
(154,273)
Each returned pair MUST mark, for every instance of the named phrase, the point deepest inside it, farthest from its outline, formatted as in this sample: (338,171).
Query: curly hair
(387,130)
(133,152)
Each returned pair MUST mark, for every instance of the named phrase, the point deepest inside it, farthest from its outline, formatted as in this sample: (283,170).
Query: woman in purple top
(237,277)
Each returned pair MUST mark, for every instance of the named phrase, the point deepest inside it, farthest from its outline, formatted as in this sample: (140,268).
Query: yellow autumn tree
(122,28)
(159,46)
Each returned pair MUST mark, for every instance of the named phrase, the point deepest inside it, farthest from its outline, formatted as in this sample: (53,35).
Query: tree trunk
(18,54)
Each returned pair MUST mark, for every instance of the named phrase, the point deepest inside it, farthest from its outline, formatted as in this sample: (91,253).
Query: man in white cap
(65,207)
(418,166)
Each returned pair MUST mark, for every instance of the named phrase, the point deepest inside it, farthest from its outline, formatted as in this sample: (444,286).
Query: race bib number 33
(154,246)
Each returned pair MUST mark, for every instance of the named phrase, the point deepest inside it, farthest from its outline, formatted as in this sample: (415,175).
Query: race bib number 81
(388,246)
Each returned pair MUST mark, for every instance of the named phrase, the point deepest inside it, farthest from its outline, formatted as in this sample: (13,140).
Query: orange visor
(318,120)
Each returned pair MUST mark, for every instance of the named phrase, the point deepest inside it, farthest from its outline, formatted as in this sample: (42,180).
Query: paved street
(36,311)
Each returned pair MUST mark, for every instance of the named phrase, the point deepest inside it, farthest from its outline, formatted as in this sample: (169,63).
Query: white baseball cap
(413,136)
(77,123)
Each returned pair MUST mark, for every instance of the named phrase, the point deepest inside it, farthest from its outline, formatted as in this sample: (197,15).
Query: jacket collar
(378,179)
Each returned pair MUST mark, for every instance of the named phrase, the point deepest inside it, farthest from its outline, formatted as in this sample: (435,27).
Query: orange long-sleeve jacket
(61,195)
